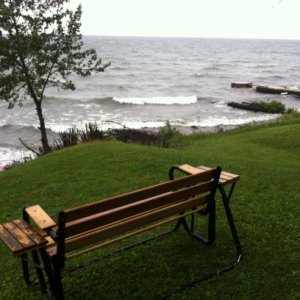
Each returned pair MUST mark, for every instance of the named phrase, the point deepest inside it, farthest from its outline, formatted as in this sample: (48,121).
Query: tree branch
(110,121)
(28,148)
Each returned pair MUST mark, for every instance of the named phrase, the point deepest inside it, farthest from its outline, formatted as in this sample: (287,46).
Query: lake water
(151,80)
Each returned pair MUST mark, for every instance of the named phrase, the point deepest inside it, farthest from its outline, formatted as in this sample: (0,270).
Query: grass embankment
(265,206)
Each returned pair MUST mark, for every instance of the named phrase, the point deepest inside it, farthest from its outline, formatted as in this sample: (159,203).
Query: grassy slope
(265,205)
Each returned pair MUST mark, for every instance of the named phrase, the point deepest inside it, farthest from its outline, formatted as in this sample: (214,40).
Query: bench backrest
(91,223)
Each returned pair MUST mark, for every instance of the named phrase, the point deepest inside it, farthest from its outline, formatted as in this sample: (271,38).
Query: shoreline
(188,130)
(185,130)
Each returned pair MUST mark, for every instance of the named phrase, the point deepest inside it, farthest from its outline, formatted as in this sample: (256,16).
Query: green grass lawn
(265,205)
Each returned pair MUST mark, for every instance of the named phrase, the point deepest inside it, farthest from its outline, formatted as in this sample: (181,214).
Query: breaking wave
(182,100)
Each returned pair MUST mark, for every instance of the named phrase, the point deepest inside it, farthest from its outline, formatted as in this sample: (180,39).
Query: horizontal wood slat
(121,200)
(19,235)
(30,232)
(130,234)
(50,241)
(122,221)
(9,240)
(139,221)
(113,215)
(52,250)
(190,170)
(40,217)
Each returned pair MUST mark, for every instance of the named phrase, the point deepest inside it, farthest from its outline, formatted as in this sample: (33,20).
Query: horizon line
(193,37)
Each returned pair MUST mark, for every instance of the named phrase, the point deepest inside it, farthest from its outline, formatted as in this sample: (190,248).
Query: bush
(91,132)
(166,133)
(135,136)
(291,113)
(74,136)
(273,106)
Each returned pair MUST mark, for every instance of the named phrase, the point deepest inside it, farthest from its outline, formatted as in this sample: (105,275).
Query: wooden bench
(95,225)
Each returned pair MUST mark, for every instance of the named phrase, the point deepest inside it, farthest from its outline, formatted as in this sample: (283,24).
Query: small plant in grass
(273,106)
(67,138)
(74,136)
(291,113)
(128,135)
(166,133)
(17,162)
(91,132)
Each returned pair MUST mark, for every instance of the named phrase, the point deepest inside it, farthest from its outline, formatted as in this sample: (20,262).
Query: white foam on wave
(8,155)
(106,125)
(206,122)
(182,100)
(217,121)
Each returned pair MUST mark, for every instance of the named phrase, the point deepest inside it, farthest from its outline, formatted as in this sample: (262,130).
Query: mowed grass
(265,205)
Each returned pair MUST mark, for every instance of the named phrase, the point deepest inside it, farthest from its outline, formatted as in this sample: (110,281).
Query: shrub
(167,133)
(17,162)
(291,113)
(135,136)
(67,138)
(74,136)
(91,132)
(273,106)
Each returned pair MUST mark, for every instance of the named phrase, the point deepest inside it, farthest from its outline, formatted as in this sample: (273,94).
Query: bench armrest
(225,177)
(40,217)
(187,169)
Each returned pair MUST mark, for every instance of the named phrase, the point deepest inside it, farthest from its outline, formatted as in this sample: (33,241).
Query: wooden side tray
(20,237)
(225,177)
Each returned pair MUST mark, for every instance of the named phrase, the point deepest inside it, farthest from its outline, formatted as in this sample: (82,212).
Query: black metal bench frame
(226,196)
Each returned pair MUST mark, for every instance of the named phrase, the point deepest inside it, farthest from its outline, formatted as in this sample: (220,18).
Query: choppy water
(151,80)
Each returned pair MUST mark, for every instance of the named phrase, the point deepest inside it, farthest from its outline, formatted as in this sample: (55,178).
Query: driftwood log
(242,84)
(252,106)
(277,90)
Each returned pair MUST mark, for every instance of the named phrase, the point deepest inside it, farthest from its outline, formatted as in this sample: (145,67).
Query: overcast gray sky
(192,18)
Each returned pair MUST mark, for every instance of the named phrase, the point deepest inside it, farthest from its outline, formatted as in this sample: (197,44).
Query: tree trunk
(42,128)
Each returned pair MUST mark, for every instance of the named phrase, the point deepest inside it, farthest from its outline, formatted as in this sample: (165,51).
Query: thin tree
(41,44)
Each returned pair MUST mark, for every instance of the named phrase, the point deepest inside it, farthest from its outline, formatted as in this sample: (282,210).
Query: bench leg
(38,268)
(36,261)
(39,271)
(236,240)
(211,231)
(211,234)
(229,216)
(182,221)
(211,219)
(25,269)
(24,257)
(54,277)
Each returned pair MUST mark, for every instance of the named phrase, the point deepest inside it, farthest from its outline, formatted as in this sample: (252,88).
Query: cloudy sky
(192,18)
